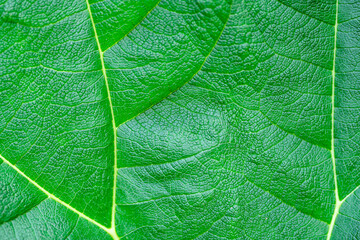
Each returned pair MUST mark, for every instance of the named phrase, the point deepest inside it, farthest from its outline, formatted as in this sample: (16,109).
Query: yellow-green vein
(337,200)
(108,230)
(101,53)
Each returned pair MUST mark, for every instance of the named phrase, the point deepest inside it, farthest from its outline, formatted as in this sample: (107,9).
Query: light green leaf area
(179,119)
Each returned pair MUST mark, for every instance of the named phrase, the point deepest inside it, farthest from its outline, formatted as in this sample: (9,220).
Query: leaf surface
(179,119)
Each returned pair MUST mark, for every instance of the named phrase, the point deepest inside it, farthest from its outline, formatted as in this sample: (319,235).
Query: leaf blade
(49,108)
(241,138)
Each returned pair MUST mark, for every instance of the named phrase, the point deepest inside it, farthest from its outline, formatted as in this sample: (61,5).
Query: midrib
(337,200)
(112,230)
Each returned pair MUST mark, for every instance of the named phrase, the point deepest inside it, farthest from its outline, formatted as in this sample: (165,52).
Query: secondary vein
(101,53)
(201,66)
(53,197)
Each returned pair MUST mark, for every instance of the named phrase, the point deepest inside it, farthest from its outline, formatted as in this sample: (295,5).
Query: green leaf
(206,119)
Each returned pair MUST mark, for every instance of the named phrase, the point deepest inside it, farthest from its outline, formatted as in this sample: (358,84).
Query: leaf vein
(52,196)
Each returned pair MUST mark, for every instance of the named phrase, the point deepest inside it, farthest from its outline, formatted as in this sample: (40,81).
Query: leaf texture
(221,119)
